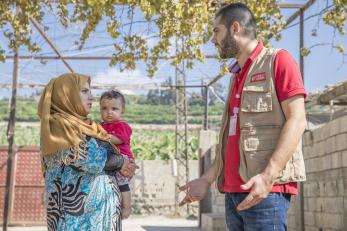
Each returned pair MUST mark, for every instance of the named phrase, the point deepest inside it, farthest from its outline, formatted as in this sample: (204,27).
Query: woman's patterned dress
(80,195)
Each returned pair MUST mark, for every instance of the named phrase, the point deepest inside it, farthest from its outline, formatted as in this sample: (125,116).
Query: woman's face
(86,98)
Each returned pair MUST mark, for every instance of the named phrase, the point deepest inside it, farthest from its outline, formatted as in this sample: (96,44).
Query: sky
(324,66)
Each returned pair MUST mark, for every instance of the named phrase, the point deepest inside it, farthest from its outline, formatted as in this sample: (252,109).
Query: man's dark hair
(241,13)
(112,94)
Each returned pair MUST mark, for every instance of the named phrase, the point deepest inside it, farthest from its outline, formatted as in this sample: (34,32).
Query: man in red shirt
(258,198)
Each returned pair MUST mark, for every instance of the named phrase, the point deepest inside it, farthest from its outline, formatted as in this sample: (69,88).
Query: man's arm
(261,184)
(211,174)
(197,189)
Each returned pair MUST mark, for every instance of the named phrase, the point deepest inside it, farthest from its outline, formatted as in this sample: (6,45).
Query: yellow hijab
(64,121)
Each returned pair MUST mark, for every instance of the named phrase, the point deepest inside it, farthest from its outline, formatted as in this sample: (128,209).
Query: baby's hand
(128,167)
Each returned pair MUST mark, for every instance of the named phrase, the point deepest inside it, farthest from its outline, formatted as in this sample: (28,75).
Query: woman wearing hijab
(78,160)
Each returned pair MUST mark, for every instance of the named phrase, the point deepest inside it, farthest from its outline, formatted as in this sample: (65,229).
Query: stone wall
(153,188)
(325,191)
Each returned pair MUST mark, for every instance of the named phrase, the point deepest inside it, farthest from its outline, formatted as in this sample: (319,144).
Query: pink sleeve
(288,80)
(122,131)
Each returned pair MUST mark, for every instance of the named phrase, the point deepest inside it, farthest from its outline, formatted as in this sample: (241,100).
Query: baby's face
(111,110)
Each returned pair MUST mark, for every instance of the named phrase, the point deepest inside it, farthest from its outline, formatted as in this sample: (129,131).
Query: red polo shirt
(288,83)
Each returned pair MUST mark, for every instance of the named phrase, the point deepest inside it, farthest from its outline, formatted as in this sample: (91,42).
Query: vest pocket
(257,97)
(257,146)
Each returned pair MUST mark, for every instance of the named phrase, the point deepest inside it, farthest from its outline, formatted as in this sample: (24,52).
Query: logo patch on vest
(258,77)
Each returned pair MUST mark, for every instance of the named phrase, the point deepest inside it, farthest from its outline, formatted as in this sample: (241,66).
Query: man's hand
(196,190)
(128,167)
(261,186)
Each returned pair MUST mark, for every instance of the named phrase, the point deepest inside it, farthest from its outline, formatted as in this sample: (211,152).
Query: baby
(112,107)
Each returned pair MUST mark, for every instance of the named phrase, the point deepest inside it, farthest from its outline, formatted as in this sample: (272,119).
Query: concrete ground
(141,223)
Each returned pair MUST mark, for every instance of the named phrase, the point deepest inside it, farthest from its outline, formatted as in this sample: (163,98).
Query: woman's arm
(91,157)
(117,162)
(114,162)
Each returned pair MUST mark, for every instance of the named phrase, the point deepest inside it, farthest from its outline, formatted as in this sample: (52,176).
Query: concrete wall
(325,191)
(153,188)
(324,200)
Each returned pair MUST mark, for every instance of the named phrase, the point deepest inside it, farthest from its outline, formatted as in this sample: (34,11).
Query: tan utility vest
(261,121)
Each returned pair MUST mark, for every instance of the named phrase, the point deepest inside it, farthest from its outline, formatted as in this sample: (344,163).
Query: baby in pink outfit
(112,107)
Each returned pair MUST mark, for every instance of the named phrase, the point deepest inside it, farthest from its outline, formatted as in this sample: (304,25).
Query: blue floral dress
(80,195)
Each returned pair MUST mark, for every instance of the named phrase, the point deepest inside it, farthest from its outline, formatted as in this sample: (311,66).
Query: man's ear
(235,27)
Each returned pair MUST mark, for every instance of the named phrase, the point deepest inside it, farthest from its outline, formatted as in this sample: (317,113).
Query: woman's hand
(128,167)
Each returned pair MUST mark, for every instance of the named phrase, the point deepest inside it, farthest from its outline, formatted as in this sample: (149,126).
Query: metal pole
(104,87)
(176,136)
(206,108)
(331,110)
(202,158)
(301,222)
(11,161)
(302,43)
(185,115)
(89,57)
(37,26)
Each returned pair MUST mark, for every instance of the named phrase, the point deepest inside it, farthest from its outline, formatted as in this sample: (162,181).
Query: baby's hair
(113,94)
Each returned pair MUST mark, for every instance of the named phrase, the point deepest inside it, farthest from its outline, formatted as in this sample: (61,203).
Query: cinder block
(311,228)
(291,222)
(334,128)
(345,188)
(309,165)
(220,200)
(321,188)
(308,152)
(341,141)
(336,160)
(206,140)
(330,145)
(319,148)
(327,162)
(318,218)
(314,164)
(333,205)
(334,221)
(326,130)
(213,222)
(340,187)
(307,138)
(342,124)
(314,204)
(309,218)
(344,158)
(318,135)
(313,189)
(331,188)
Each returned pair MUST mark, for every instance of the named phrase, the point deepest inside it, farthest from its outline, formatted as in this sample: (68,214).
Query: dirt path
(141,223)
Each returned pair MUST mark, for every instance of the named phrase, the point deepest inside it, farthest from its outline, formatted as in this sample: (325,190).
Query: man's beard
(229,47)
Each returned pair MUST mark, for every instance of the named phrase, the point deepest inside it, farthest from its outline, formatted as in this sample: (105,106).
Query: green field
(146,144)
(26,110)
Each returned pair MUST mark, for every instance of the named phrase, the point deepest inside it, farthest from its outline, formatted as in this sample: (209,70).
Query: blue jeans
(270,214)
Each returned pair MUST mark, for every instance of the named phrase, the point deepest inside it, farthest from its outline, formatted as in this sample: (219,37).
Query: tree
(167,96)
(153,97)
(187,22)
